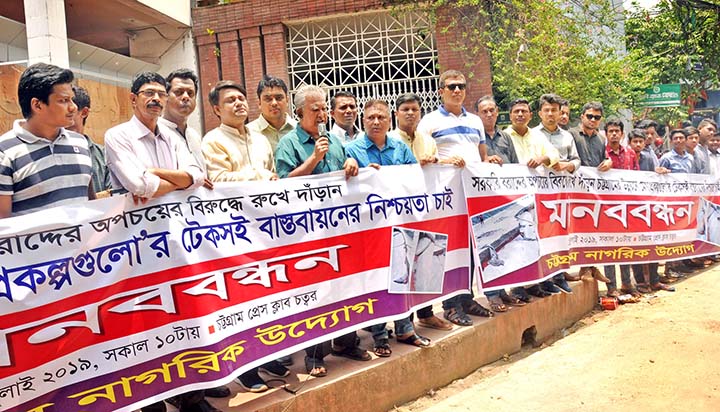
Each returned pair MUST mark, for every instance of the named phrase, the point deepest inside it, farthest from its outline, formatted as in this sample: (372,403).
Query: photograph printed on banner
(506,238)
(703,207)
(417,261)
(711,222)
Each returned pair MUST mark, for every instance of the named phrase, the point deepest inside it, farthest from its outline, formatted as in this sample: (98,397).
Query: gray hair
(305,90)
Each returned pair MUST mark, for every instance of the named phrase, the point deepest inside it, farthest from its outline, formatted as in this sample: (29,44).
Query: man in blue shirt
(677,160)
(375,147)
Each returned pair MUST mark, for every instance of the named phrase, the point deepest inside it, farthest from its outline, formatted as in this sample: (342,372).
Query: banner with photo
(109,306)
(528,225)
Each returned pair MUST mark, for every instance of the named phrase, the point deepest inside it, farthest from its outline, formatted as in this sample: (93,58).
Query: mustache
(154,104)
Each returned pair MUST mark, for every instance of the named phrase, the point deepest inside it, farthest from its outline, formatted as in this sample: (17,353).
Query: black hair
(342,93)
(592,106)
(214,95)
(645,124)
(637,133)
(144,78)
(517,102)
(271,81)
(81,99)
(486,98)
(407,97)
(37,82)
(549,98)
(614,121)
(185,74)
(676,131)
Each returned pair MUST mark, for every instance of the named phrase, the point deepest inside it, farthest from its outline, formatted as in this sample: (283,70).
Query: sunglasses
(593,116)
(455,86)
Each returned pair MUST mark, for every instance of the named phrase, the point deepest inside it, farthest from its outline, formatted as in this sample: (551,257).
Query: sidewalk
(382,383)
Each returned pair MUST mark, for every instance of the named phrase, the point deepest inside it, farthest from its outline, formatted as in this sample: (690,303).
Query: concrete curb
(409,373)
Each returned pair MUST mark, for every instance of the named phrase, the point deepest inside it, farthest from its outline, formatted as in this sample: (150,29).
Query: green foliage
(543,46)
(677,42)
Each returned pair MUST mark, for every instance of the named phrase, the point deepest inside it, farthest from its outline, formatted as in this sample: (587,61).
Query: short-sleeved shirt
(714,163)
(39,173)
(273,135)
(624,158)
(297,146)
(501,144)
(365,152)
(591,149)
(677,163)
(454,135)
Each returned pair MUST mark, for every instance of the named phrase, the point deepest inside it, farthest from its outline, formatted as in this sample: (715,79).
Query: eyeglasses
(455,86)
(593,116)
(151,93)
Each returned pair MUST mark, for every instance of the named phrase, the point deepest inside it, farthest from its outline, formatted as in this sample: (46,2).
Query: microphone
(322,131)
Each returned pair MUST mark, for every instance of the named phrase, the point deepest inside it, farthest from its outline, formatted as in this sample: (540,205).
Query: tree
(677,42)
(572,48)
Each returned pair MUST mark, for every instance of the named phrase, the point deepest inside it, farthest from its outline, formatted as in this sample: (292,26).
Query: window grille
(373,55)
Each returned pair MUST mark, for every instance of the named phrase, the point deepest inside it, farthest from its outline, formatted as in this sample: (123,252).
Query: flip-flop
(353,353)
(315,368)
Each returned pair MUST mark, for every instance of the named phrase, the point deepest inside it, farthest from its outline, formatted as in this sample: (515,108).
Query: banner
(110,306)
(528,225)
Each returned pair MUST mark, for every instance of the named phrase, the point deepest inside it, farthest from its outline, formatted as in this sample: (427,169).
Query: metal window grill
(374,55)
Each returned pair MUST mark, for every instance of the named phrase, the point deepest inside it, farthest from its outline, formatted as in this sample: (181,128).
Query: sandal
(644,288)
(315,368)
(458,317)
(631,291)
(433,322)
(511,300)
(662,286)
(475,309)
(354,353)
(497,305)
(415,340)
(382,348)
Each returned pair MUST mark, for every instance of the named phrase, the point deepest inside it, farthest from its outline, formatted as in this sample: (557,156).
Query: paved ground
(662,354)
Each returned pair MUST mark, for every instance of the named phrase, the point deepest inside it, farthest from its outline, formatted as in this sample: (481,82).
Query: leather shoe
(597,275)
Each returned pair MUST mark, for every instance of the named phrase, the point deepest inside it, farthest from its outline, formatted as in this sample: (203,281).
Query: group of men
(46,160)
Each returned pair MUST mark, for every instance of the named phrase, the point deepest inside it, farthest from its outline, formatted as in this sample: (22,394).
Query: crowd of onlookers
(46,160)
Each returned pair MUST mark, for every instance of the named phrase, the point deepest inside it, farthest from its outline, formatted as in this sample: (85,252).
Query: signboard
(662,95)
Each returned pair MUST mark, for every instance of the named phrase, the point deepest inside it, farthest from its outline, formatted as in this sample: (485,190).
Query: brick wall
(254,29)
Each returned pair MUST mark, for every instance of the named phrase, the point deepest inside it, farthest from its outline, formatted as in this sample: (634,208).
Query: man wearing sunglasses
(460,139)
(590,145)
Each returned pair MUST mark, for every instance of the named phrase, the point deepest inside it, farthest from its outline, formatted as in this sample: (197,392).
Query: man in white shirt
(274,122)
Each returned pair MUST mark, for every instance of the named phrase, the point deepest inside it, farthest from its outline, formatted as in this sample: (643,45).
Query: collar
(544,129)
(264,124)
(366,143)
(138,130)
(684,155)
(620,150)
(302,135)
(512,131)
(26,137)
(444,112)
(233,131)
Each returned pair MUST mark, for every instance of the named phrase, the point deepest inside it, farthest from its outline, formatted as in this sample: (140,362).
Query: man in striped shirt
(460,139)
(42,164)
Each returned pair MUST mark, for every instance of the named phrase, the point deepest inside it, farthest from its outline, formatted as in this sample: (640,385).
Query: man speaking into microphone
(310,149)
